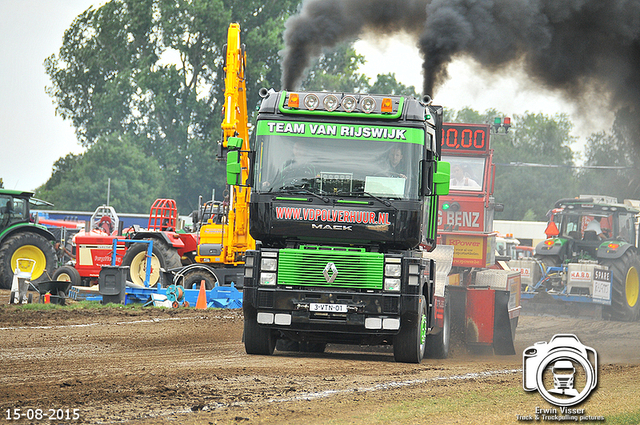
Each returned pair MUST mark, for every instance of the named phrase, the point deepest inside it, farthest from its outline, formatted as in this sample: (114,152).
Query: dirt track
(188,366)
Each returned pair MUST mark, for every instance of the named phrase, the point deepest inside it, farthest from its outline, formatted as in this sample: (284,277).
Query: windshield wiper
(289,189)
(386,202)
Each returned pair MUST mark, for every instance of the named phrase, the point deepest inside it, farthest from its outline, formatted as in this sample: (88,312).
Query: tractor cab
(14,208)
(586,225)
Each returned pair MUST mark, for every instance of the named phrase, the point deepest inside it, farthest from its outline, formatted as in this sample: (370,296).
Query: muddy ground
(188,366)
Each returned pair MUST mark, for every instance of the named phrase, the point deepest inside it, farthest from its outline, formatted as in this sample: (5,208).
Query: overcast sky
(32,137)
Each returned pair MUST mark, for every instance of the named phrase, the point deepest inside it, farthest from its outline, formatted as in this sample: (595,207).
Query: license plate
(328,308)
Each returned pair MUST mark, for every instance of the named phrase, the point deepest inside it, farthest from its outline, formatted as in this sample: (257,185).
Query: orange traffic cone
(201,304)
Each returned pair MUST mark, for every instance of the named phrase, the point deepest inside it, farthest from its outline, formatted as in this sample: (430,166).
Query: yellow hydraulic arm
(234,233)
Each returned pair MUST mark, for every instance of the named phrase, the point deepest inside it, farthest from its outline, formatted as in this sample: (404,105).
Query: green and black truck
(344,205)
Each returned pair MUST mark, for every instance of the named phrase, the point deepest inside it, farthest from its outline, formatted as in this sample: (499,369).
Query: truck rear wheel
(68,274)
(625,287)
(162,257)
(438,344)
(27,245)
(257,339)
(409,345)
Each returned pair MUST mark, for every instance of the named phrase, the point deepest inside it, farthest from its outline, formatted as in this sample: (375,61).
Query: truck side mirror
(441,178)
(233,167)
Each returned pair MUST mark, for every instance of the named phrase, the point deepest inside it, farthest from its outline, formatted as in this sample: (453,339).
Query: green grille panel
(356,268)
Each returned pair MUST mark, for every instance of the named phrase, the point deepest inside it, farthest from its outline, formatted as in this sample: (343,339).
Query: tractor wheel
(410,342)
(438,344)
(67,274)
(31,246)
(193,278)
(162,257)
(257,339)
(549,261)
(625,287)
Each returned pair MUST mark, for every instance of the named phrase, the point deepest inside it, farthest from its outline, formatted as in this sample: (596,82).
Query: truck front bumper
(337,311)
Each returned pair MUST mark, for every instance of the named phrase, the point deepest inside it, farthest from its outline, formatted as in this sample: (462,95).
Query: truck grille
(355,267)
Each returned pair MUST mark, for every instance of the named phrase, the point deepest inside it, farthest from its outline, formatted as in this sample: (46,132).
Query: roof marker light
(387,105)
(294,100)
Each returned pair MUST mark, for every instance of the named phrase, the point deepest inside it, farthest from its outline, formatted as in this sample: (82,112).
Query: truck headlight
(269,264)
(391,284)
(267,278)
(392,270)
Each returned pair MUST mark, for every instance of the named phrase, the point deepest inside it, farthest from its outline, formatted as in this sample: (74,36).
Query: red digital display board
(465,137)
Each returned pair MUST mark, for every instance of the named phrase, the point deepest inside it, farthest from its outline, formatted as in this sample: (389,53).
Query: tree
(618,149)
(531,190)
(336,70)
(528,192)
(79,182)
(151,70)
(388,84)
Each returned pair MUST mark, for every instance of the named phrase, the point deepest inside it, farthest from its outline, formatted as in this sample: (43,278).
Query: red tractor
(93,248)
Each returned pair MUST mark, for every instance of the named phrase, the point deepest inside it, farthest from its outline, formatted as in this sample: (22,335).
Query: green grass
(463,403)
(79,305)
(630,418)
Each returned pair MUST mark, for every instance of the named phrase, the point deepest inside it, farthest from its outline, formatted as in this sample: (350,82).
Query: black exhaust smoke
(324,23)
(580,47)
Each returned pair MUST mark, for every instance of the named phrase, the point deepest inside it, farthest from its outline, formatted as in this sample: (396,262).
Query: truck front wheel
(30,246)
(257,339)
(409,344)
(625,287)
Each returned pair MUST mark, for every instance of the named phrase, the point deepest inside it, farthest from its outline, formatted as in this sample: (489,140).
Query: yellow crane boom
(232,235)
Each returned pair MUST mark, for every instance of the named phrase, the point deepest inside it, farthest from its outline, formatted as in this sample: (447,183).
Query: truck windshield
(339,166)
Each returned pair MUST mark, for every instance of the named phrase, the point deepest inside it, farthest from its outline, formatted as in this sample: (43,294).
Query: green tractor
(593,246)
(22,238)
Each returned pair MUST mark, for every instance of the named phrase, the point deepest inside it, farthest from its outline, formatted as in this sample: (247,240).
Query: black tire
(162,257)
(257,339)
(26,245)
(438,344)
(62,298)
(548,261)
(625,287)
(409,344)
(193,278)
(67,274)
